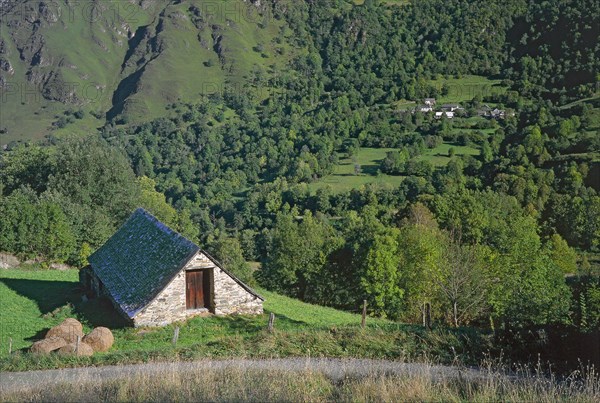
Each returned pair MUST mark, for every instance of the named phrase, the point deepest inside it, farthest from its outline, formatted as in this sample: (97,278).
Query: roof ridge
(162,225)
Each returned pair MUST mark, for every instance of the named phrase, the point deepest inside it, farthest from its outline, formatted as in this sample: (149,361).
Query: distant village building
(430,102)
(154,276)
(449,115)
(497,113)
(487,111)
(425,109)
(451,107)
(484,110)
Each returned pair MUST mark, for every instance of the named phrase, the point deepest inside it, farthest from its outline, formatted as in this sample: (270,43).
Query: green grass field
(593,100)
(439,156)
(32,300)
(344,178)
(466,88)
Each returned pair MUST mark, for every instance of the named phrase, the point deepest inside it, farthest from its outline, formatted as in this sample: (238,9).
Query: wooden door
(197,289)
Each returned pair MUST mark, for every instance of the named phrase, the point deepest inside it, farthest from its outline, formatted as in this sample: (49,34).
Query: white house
(451,107)
(449,115)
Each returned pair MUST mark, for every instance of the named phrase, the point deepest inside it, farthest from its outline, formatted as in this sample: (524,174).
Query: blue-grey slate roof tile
(140,259)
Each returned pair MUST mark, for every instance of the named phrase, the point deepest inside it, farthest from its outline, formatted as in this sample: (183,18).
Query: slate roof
(140,260)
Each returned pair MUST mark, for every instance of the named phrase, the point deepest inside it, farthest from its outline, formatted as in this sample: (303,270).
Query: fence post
(9,345)
(363,320)
(428,315)
(175,336)
(271,322)
(77,345)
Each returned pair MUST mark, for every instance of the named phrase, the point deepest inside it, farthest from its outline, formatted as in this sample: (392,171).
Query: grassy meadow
(466,88)
(344,178)
(34,299)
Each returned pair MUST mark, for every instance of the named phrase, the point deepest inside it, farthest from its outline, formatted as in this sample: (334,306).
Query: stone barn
(155,276)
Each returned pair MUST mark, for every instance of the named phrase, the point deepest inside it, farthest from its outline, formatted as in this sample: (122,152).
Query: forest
(508,236)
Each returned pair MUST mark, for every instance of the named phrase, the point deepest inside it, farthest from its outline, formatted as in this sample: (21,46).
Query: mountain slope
(117,59)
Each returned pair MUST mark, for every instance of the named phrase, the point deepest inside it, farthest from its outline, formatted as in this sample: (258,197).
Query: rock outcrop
(8,261)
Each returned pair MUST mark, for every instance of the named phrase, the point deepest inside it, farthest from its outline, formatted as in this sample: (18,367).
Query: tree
(486,152)
(464,283)
(418,214)
(155,202)
(297,255)
(31,227)
(381,275)
(531,288)
(84,252)
(394,162)
(562,255)
(229,252)
(91,173)
(26,166)
(59,240)
(421,261)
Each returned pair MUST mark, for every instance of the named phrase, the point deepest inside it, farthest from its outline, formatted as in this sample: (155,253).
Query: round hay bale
(48,345)
(74,323)
(101,339)
(68,330)
(84,350)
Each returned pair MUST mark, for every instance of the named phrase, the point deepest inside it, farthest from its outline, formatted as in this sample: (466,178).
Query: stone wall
(92,283)
(231,297)
(167,307)
(94,288)
(228,297)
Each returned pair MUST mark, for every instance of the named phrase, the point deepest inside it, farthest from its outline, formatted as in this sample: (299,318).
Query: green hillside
(127,62)
(323,140)
(33,300)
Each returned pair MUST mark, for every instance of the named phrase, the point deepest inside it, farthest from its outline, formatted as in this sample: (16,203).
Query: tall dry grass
(523,385)
(203,383)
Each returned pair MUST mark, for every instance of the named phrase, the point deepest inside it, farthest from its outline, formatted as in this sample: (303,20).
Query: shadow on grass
(53,295)
(371,169)
(49,295)
(100,312)
(242,324)
(40,335)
